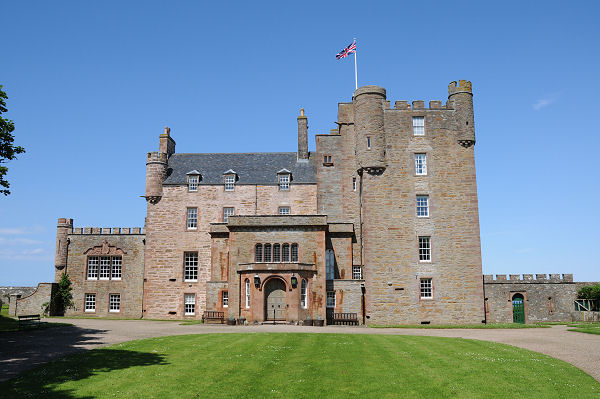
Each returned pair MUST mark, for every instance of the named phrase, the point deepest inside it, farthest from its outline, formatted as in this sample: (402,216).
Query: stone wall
(7,292)
(36,302)
(348,296)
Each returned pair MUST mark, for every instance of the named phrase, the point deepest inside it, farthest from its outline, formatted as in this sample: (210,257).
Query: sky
(91,85)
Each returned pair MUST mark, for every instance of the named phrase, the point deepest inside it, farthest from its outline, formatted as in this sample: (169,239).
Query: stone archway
(275,300)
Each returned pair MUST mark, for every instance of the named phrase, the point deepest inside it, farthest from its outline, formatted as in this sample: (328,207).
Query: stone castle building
(380,221)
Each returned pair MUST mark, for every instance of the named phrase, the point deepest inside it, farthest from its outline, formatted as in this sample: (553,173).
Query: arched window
(267,252)
(303,294)
(329,264)
(258,253)
(276,253)
(294,252)
(285,256)
(247,292)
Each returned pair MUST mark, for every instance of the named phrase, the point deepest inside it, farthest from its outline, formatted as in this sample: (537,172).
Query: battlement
(107,230)
(65,222)
(403,105)
(156,156)
(527,278)
(464,86)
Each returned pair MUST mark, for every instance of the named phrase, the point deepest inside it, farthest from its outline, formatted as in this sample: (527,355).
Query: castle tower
(64,227)
(156,167)
(368,126)
(462,97)
(302,136)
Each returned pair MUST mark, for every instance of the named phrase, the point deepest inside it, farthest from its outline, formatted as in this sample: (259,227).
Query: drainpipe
(484,304)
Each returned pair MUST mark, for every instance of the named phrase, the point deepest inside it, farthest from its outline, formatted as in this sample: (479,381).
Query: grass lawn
(452,326)
(305,366)
(590,328)
(8,323)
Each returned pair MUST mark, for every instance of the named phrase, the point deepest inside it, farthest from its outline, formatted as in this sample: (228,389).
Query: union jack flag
(348,50)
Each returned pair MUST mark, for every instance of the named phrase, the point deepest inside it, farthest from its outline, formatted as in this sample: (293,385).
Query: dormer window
(284,176)
(193,178)
(229,180)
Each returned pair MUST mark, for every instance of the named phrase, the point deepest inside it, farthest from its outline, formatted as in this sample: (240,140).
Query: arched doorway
(275,306)
(518,309)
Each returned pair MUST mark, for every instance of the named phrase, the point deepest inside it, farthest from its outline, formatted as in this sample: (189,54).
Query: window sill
(423,217)
(192,229)
(104,278)
(92,279)
(116,279)
(114,311)
(328,164)
(427,299)
(190,314)
(424,261)
(190,281)
(90,311)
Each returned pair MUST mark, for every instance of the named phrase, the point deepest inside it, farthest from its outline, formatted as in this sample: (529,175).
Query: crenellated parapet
(527,278)
(107,230)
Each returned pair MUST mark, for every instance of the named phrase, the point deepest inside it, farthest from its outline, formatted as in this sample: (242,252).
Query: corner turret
(156,167)
(64,227)
(368,126)
(461,96)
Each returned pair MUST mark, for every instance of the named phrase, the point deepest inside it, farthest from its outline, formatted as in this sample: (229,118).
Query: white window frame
(104,273)
(283,210)
(225,298)
(89,303)
(329,264)
(357,272)
(189,304)
(116,272)
(330,299)
(190,267)
(426,288)
(368,143)
(304,294)
(114,303)
(229,182)
(228,211)
(247,292)
(192,218)
(354,184)
(284,181)
(327,159)
(423,206)
(418,125)
(421,164)
(92,267)
(424,248)
(193,182)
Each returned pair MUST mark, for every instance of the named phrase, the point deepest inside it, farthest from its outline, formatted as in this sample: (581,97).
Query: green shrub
(589,292)
(63,297)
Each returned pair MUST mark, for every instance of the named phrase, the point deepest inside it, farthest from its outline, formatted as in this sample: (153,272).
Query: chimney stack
(166,143)
(302,136)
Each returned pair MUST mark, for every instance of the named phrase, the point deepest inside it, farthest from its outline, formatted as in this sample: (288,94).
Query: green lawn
(589,328)
(305,366)
(454,326)
(8,323)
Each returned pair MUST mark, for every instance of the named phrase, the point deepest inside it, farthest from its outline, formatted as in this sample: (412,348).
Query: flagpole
(355,70)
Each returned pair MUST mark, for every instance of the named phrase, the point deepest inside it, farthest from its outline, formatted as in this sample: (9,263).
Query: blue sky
(92,84)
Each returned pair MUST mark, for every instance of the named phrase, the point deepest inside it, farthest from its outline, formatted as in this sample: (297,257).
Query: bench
(28,319)
(345,318)
(212,315)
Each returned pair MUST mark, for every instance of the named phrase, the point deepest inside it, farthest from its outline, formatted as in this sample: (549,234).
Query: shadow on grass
(8,324)
(45,381)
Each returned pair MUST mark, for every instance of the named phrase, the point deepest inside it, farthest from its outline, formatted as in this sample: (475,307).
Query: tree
(589,292)
(8,150)
(63,297)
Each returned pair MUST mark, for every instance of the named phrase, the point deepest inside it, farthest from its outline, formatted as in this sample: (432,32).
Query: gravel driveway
(20,351)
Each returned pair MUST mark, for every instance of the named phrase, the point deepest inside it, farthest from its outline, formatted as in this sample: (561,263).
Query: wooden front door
(275,300)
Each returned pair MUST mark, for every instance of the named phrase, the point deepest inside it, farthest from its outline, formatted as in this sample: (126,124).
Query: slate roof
(251,168)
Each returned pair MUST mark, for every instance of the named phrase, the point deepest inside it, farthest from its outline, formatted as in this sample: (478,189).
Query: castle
(380,222)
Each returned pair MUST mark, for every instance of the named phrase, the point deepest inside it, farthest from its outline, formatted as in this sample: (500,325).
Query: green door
(518,309)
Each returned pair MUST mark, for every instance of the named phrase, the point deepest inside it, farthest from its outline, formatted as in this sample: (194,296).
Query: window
(425,249)
(329,264)
(104,267)
(267,252)
(426,288)
(422,206)
(284,210)
(258,253)
(92,271)
(114,303)
(354,184)
(421,164)
(285,253)
(116,268)
(303,293)
(229,182)
(190,268)
(192,218)
(368,143)
(330,299)
(327,160)
(356,273)
(193,182)
(247,292)
(189,304)
(284,182)
(276,253)
(294,252)
(419,125)
(225,296)
(90,302)
(226,213)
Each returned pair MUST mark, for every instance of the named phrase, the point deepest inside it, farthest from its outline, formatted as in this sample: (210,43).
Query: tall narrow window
(354,184)
(426,288)
(422,206)
(247,292)
(418,125)
(329,264)
(284,182)
(356,272)
(267,252)
(104,267)
(114,303)
(294,252)
(330,302)
(303,293)
(193,182)
(425,249)
(285,253)
(276,253)
(190,268)
(225,296)
(284,210)
(258,253)
(190,304)
(368,143)
(90,302)
(192,218)
(116,268)
(226,213)
(92,271)
(229,182)
(421,164)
